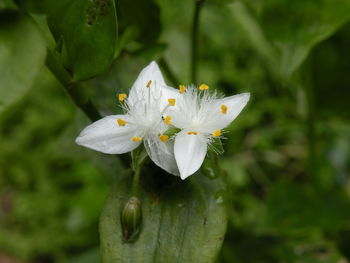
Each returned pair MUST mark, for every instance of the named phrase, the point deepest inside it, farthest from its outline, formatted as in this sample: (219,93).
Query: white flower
(148,101)
(201,116)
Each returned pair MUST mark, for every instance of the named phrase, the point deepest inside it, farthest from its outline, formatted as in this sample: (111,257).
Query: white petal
(162,154)
(190,151)
(234,104)
(105,135)
(150,74)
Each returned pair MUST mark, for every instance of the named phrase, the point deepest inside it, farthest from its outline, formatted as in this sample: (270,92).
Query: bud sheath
(131,219)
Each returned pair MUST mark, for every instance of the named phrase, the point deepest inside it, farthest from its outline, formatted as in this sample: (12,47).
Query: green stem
(135,183)
(194,39)
(168,72)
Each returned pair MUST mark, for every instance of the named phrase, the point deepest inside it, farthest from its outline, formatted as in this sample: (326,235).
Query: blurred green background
(287,156)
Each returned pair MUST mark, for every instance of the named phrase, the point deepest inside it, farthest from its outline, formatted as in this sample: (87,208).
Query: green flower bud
(131,219)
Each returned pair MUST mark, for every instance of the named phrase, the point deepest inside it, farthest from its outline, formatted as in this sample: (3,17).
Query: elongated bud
(131,219)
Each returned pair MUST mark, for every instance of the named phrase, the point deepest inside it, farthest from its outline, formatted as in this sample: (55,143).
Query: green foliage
(50,200)
(301,25)
(183,221)
(89,33)
(22,55)
(85,33)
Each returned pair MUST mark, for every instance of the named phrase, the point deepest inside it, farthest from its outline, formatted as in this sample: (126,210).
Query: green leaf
(88,30)
(22,54)
(90,36)
(286,31)
(183,221)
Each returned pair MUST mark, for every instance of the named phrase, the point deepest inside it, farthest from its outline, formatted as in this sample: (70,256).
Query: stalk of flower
(201,116)
(149,100)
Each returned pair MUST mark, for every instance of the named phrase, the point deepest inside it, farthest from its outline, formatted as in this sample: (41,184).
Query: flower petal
(149,77)
(162,154)
(107,136)
(222,117)
(190,151)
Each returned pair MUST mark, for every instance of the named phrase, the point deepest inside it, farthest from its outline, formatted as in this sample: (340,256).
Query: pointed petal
(105,135)
(234,105)
(190,151)
(149,76)
(162,154)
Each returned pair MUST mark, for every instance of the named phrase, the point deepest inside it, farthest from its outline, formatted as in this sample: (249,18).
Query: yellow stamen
(192,133)
(223,109)
(172,102)
(122,96)
(182,88)
(136,139)
(167,120)
(203,87)
(121,122)
(148,84)
(163,137)
(216,133)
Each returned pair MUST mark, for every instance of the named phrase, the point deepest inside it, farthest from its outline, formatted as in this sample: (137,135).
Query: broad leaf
(86,32)
(22,54)
(183,221)
(90,36)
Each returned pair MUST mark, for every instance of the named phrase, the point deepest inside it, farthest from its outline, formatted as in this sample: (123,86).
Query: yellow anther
(136,139)
(192,133)
(216,133)
(163,137)
(167,120)
(172,102)
(149,83)
(223,109)
(122,96)
(203,87)
(121,122)
(182,88)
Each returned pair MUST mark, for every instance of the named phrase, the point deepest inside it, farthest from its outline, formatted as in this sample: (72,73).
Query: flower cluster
(152,109)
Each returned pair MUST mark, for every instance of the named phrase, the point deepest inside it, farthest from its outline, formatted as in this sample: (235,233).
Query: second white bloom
(201,116)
